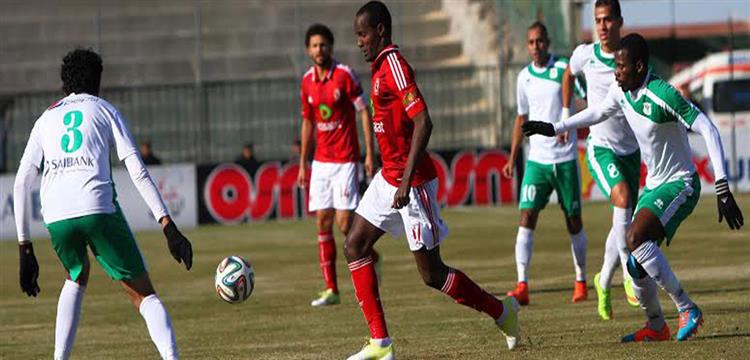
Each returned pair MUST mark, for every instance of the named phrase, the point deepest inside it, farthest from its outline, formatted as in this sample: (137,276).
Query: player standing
(330,95)
(70,143)
(659,117)
(402,197)
(612,154)
(552,164)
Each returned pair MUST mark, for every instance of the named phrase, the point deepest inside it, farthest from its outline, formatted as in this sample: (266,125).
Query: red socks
(327,256)
(466,292)
(366,289)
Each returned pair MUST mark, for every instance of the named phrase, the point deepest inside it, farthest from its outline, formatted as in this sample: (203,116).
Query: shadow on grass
(721,291)
(722,336)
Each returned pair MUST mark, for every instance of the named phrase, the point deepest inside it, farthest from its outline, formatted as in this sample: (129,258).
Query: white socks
(616,249)
(68,315)
(159,326)
(524,243)
(578,246)
(653,261)
(645,291)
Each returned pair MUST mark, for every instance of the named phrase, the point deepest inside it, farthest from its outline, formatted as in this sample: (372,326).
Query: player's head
(81,72)
(248,151)
(537,42)
(319,44)
(145,147)
(608,20)
(631,61)
(372,26)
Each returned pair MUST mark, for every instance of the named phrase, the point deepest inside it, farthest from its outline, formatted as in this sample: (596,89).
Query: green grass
(278,323)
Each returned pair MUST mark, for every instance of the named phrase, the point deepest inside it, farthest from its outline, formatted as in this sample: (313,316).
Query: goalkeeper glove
(179,245)
(29,269)
(727,206)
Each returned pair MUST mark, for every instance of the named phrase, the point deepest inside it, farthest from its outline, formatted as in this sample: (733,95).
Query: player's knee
(574,224)
(620,196)
(634,239)
(528,219)
(344,225)
(354,249)
(325,223)
(433,279)
(635,269)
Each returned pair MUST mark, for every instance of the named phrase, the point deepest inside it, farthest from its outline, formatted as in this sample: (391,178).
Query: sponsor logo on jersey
(376,88)
(378,127)
(336,94)
(410,98)
(68,162)
(309,99)
(553,73)
(328,126)
(325,111)
(647,108)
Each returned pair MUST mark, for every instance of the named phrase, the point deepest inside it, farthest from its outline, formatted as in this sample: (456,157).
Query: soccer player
(331,94)
(402,197)
(70,144)
(552,164)
(612,154)
(659,118)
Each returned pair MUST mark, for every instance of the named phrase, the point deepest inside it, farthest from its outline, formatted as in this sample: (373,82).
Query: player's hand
(369,166)
(508,169)
(401,197)
(178,244)
(29,270)
(302,176)
(563,138)
(537,127)
(728,208)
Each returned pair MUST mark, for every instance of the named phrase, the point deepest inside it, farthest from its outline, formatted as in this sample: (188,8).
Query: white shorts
(420,220)
(333,186)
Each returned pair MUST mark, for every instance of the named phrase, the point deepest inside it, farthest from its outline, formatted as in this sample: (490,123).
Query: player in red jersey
(331,95)
(402,197)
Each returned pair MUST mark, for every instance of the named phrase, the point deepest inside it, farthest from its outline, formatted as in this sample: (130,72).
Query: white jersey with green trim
(659,117)
(598,68)
(539,96)
(71,144)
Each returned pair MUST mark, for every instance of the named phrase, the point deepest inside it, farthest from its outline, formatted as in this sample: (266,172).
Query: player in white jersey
(612,154)
(659,117)
(70,144)
(552,164)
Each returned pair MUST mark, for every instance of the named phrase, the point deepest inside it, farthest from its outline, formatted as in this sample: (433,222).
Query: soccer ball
(234,279)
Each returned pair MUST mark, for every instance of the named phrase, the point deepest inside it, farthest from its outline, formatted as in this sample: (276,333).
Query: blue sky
(638,13)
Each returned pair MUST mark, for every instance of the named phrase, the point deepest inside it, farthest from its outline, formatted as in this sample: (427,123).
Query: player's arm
(306,139)
(515,146)
(364,115)
(420,138)
(179,246)
(28,170)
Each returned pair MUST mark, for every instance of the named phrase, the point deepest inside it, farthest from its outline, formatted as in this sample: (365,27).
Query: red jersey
(331,104)
(395,100)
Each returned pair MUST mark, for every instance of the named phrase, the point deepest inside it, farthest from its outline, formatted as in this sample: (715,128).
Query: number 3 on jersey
(72,120)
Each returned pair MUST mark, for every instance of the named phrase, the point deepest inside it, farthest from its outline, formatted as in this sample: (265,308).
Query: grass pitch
(278,323)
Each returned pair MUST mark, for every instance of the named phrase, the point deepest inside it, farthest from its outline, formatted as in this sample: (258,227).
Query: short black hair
(81,72)
(539,25)
(636,46)
(249,145)
(614,6)
(318,29)
(377,13)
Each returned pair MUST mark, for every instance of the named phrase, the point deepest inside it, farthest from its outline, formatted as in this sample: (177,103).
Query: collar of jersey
(387,49)
(329,74)
(546,67)
(604,58)
(641,89)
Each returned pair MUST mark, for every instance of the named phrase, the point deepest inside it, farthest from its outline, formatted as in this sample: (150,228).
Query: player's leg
(536,188)
(567,185)
(659,213)
(374,216)
(115,248)
(321,201)
(425,230)
(70,245)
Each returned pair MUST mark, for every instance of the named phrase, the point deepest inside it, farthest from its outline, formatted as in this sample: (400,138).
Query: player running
(402,197)
(552,164)
(659,117)
(330,94)
(70,144)
(612,154)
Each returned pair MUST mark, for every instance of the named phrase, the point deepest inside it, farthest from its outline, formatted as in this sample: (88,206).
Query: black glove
(537,127)
(727,206)
(179,245)
(29,270)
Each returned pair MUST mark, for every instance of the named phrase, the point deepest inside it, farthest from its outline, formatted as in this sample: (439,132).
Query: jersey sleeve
(677,107)
(402,78)
(522,102)
(33,154)
(121,137)
(307,110)
(577,60)
(354,90)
